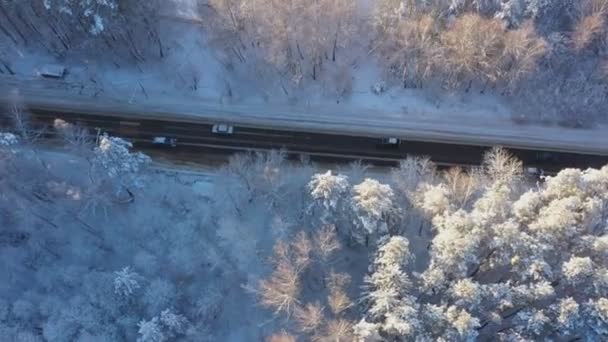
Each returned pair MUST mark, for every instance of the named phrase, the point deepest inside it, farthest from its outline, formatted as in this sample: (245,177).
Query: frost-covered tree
(392,312)
(126,282)
(159,294)
(477,49)
(512,264)
(114,166)
(113,156)
(94,12)
(591,25)
(256,177)
(150,331)
(167,326)
(374,209)
(298,37)
(406,35)
(330,194)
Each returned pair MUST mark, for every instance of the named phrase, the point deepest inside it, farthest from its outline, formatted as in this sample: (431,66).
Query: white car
(390,141)
(52,71)
(164,141)
(222,128)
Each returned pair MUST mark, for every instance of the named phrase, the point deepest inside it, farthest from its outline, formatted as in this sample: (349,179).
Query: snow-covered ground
(194,81)
(134,251)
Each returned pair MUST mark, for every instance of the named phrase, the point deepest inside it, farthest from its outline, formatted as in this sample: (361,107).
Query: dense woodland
(99,244)
(547,57)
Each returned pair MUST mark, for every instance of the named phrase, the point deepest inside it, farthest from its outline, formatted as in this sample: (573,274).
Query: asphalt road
(195,140)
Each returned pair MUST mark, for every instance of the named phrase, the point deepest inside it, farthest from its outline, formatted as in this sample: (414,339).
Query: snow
(185,255)
(193,81)
(186,258)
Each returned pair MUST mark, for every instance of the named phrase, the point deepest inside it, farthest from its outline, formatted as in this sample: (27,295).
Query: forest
(546,58)
(99,242)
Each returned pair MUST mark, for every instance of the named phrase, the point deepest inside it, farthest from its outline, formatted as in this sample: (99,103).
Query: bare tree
(337,330)
(476,49)
(472,50)
(591,23)
(297,37)
(281,337)
(462,185)
(410,49)
(280,292)
(309,317)
(76,137)
(523,50)
(326,241)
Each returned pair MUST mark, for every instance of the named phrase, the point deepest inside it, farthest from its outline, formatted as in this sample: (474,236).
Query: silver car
(222,128)
(164,141)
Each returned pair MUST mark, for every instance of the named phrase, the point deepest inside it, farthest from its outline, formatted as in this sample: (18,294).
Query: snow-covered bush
(379,88)
(8,139)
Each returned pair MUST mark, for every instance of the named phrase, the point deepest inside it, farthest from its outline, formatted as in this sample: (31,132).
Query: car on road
(164,141)
(390,142)
(222,128)
(56,71)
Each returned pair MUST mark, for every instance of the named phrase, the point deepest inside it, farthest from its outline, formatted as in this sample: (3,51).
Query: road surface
(195,141)
(448,128)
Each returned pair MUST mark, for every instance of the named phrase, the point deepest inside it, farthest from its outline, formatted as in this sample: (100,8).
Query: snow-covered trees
(320,315)
(479,49)
(296,37)
(114,165)
(150,331)
(93,11)
(513,263)
(374,210)
(126,282)
(165,327)
(497,258)
(418,43)
(406,38)
(331,196)
(113,156)
(391,309)
(591,24)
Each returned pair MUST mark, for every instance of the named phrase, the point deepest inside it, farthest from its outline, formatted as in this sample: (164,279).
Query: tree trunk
(155,35)
(58,35)
(299,51)
(7,67)
(469,86)
(8,34)
(333,53)
(15,27)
